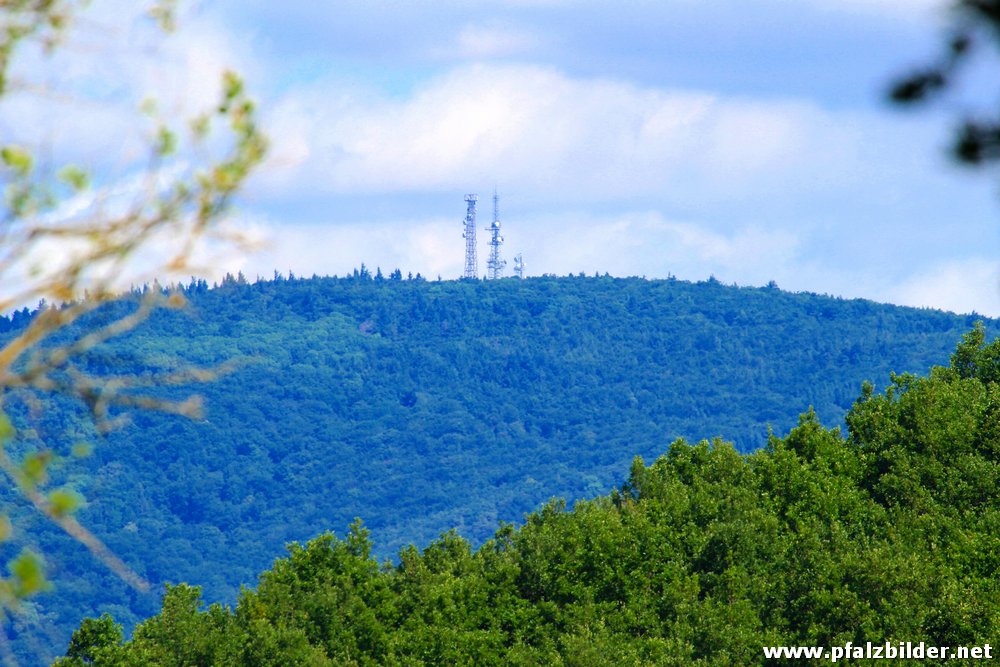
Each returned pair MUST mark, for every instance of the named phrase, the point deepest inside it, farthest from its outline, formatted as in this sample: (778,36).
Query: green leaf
(17,159)
(6,429)
(232,88)
(29,573)
(65,501)
(166,142)
(232,85)
(165,15)
(6,528)
(75,177)
(34,467)
(82,450)
(200,126)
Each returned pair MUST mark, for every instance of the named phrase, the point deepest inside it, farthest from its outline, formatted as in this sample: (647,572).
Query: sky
(748,140)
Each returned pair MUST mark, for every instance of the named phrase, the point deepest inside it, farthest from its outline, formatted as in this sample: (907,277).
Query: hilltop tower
(494,267)
(471,270)
(519,266)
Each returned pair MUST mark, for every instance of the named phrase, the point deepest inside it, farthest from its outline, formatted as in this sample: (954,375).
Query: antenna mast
(519,266)
(494,267)
(469,235)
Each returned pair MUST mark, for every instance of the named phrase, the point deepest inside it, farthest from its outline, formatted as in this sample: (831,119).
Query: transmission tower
(494,267)
(519,266)
(470,237)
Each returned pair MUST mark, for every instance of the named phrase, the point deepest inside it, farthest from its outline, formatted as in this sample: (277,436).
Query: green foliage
(887,534)
(97,642)
(26,578)
(975,359)
(423,406)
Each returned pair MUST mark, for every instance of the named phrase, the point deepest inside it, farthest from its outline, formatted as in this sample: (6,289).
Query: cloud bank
(685,138)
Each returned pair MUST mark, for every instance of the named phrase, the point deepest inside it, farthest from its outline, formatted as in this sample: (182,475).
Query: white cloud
(540,130)
(31,263)
(81,102)
(608,174)
(427,246)
(747,190)
(960,285)
(645,243)
(625,244)
(490,41)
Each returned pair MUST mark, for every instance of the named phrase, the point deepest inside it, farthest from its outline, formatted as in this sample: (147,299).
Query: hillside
(705,557)
(424,406)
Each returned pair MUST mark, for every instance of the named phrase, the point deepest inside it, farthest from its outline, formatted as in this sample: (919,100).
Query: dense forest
(889,534)
(425,406)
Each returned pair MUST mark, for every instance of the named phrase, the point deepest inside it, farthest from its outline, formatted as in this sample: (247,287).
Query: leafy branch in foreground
(67,243)
(975,23)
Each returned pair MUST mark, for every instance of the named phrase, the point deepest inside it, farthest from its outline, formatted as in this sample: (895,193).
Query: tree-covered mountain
(702,558)
(427,406)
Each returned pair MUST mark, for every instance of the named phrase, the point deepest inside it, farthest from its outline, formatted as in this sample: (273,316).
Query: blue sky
(747,140)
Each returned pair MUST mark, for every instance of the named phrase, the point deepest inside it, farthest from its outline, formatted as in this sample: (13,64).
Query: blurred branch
(974,23)
(51,252)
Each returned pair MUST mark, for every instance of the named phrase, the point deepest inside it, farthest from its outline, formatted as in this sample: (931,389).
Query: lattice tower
(495,265)
(471,270)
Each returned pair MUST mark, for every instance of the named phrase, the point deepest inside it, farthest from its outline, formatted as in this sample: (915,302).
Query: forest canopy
(887,532)
(422,406)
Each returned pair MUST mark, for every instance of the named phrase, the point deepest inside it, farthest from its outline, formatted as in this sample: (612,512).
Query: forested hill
(704,558)
(423,406)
